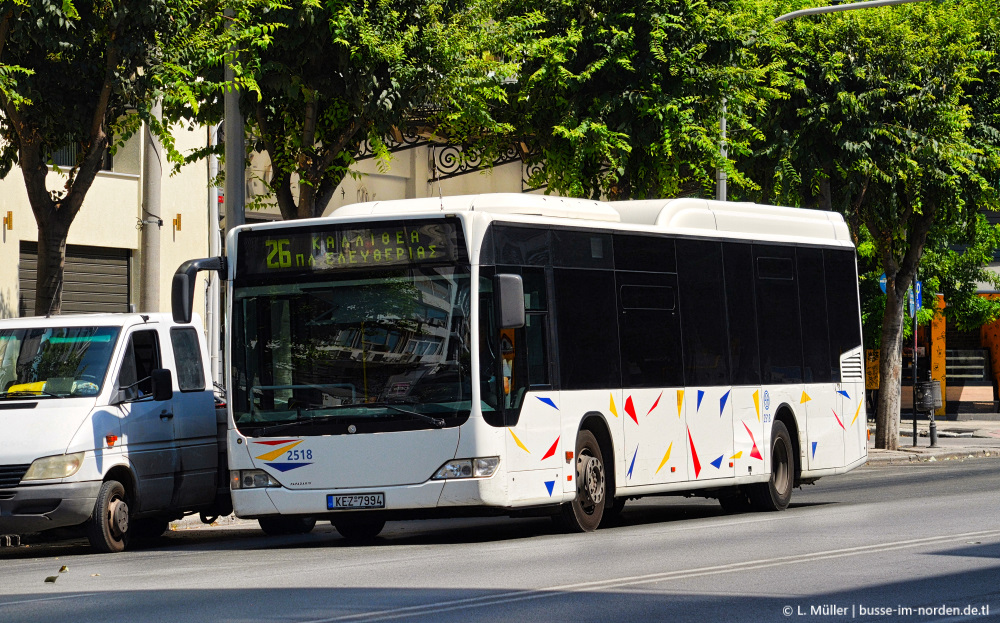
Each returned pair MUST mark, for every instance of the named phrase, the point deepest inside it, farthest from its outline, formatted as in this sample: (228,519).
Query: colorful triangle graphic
(805,398)
(680,401)
(694,455)
(666,457)
(717,463)
(548,401)
(844,394)
(614,410)
(632,464)
(655,403)
(856,414)
(722,402)
(756,403)
(838,419)
(552,450)
(550,484)
(701,394)
(814,449)
(518,441)
(630,409)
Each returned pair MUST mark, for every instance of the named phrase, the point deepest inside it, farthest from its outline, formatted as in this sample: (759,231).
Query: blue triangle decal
(549,484)
(284,467)
(722,402)
(632,465)
(701,394)
(717,463)
(548,401)
(814,449)
(844,394)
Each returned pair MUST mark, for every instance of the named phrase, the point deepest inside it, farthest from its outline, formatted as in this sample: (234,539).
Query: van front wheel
(108,527)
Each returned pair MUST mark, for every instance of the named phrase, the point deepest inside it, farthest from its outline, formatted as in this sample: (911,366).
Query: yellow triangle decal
(805,398)
(856,414)
(680,403)
(270,456)
(518,441)
(666,457)
(613,409)
(737,455)
(756,403)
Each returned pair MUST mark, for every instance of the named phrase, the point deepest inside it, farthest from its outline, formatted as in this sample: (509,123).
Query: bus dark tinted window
(587,328)
(779,331)
(703,312)
(812,309)
(645,253)
(650,330)
(842,303)
(742,313)
(525,246)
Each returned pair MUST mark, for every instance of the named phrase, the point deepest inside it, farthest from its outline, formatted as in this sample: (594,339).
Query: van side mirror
(510,291)
(163,384)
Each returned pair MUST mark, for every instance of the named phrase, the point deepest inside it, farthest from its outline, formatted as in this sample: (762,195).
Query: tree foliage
(89,71)
(624,99)
(881,124)
(323,76)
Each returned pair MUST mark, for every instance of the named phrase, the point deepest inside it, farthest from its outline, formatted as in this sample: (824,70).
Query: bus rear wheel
(776,493)
(584,513)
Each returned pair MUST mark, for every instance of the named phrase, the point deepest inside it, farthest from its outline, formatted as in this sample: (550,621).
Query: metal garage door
(96,279)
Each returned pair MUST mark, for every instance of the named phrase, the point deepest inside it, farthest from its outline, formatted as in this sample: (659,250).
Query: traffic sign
(881,282)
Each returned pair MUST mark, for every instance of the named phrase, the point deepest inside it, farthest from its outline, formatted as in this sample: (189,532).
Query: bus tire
(108,527)
(776,493)
(585,512)
(359,529)
(286,524)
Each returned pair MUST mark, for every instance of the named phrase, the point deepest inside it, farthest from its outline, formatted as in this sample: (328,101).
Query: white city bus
(521,354)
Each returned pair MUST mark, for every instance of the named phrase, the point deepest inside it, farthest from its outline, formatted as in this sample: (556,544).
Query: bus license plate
(364,500)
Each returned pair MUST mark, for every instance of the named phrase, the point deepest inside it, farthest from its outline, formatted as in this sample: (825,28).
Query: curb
(902,457)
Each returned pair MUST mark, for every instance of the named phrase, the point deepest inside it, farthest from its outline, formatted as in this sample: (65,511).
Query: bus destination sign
(348,246)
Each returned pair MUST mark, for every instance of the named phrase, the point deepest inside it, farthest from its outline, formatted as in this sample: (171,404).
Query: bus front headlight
(49,467)
(251,479)
(483,467)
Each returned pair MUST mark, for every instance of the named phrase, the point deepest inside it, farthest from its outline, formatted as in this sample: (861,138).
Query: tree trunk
(51,264)
(890,370)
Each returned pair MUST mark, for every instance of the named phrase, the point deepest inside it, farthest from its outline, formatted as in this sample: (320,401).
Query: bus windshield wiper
(283,425)
(435,421)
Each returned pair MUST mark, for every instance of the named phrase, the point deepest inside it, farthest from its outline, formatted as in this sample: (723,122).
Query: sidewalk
(956,440)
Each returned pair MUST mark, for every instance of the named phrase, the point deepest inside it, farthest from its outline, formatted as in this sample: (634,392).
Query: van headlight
(468,468)
(49,467)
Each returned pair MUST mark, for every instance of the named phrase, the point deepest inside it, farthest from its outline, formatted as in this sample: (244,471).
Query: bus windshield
(369,351)
(54,362)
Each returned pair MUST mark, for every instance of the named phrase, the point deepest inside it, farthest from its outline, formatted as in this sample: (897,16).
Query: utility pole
(235,149)
(720,173)
(151,221)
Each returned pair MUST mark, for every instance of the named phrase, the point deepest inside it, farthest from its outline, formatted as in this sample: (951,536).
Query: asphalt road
(923,537)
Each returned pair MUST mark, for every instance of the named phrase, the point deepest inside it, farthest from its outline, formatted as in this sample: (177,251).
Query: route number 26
(278,256)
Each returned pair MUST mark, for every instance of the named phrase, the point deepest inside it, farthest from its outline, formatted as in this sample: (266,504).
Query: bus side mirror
(182,286)
(162,382)
(511,294)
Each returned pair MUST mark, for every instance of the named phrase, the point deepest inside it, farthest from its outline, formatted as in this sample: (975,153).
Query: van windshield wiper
(28,393)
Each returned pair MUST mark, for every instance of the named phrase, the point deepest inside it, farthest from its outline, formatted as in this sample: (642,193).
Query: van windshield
(54,362)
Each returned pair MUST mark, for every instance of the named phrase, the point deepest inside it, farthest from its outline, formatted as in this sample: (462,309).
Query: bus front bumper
(449,495)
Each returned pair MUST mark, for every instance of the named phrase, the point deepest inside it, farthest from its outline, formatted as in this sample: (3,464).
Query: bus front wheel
(584,513)
(776,493)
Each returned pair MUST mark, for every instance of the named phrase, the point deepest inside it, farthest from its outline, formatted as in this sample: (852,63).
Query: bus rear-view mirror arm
(511,291)
(182,287)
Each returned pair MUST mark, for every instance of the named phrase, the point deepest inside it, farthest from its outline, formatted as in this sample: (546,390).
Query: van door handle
(165,415)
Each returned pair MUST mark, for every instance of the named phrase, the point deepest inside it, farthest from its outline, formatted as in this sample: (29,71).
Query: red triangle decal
(694,455)
(630,409)
(274,443)
(552,450)
(655,403)
(838,419)
(755,453)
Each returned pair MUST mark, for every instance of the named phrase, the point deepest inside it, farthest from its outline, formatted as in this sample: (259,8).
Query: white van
(108,427)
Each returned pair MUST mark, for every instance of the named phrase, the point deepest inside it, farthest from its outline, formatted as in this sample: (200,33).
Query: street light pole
(870,4)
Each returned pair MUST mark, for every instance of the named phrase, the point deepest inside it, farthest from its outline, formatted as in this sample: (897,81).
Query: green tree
(321,77)
(624,99)
(91,71)
(878,124)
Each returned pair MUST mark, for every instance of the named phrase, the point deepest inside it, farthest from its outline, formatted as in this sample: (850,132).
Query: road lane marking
(651,578)
(31,601)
